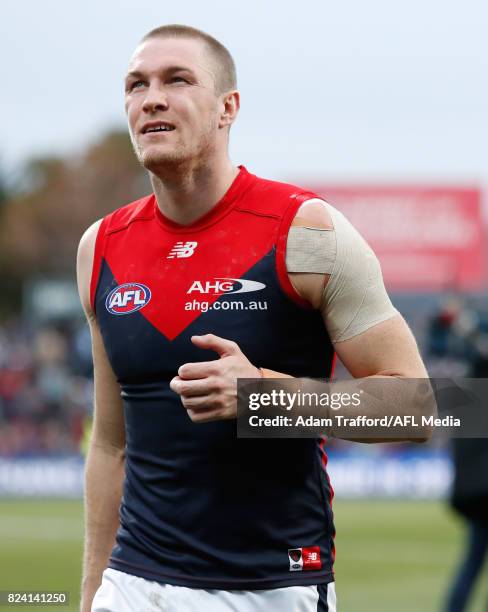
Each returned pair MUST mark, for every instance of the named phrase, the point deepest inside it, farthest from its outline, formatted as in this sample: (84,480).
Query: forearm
(401,407)
(396,406)
(104,475)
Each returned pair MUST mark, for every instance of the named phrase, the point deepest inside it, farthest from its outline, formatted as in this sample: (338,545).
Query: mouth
(157,127)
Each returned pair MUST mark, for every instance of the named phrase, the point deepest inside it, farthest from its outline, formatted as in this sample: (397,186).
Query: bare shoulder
(84,264)
(313,213)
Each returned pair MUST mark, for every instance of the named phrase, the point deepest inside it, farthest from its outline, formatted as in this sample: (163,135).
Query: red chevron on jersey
(172,281)
(188,268)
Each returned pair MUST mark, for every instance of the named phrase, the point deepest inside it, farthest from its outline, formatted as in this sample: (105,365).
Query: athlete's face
(170,85)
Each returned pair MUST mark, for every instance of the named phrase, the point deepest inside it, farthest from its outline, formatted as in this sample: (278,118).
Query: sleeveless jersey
(201,507)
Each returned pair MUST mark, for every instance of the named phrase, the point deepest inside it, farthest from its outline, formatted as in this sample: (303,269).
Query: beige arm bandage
(310,249)
(355,297)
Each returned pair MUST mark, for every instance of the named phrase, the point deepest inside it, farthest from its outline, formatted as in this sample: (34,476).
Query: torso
(200,507)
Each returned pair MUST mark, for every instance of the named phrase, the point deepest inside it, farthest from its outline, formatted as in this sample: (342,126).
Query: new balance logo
(306,558)
(182,249)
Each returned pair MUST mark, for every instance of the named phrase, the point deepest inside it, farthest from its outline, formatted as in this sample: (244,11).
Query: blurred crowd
(457,340)
(46,388)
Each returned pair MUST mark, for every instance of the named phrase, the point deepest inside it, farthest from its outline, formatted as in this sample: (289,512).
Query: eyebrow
(138,73)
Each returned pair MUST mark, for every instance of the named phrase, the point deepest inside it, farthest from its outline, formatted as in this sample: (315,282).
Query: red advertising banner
(427,238)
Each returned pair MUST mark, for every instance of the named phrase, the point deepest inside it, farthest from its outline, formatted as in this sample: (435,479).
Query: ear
(230,105)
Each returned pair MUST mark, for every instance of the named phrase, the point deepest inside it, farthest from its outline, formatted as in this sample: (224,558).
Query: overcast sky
(345,90)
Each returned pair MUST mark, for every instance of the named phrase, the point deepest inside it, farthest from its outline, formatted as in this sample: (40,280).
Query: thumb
(215,343)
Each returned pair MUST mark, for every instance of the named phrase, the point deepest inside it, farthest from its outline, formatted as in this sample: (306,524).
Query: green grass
(392,556)
(397,556)
(41,548)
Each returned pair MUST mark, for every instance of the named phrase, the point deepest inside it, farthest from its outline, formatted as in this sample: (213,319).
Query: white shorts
(121,592)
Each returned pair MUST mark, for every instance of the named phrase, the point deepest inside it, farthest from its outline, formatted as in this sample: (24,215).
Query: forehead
(158,54)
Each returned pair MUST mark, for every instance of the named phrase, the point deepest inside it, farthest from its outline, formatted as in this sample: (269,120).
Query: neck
(184,194)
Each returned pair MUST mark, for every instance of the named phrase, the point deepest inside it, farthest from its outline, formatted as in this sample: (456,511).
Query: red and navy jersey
(200,507)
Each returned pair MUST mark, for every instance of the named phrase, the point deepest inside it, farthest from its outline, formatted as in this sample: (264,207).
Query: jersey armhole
(284,227)
(97,262)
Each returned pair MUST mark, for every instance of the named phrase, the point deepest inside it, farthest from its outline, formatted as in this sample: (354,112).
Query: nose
(155,100)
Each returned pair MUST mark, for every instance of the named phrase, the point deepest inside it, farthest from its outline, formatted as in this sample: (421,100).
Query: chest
(157,289)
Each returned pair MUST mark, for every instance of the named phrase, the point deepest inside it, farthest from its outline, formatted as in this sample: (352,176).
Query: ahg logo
(226,285)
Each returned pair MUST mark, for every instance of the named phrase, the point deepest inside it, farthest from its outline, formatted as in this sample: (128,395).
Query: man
(187,290)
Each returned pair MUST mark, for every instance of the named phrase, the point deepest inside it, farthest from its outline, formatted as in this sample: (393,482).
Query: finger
(205,416)
(215,343)
(192,388)
(174,384)
(202,369)
(200,403)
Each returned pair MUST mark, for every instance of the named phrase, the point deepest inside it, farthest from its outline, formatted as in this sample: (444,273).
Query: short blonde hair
(225,69)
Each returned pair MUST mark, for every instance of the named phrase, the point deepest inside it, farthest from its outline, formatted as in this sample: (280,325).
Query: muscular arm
(386,349)
(104,470)
(368,334)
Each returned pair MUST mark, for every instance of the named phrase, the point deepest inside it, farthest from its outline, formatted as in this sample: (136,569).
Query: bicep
(386,349)
(368,333)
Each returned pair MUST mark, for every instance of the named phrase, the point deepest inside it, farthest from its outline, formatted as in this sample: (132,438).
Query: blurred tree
(9,294)
(3,186)
(40,227)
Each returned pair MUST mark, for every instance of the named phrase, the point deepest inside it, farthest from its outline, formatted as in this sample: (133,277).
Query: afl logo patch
(127,298)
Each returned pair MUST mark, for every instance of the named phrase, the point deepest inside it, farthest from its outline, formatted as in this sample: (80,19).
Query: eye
(177,79)
(135,85)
